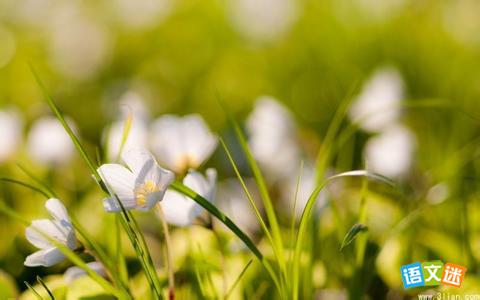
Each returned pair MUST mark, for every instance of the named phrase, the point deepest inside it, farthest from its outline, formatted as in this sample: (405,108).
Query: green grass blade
(302,230)
(61,119)
(249,196)
(127,218)
(37,180)
(35,293)
(24,184)
(237,281)
(185,190)
(264,195)
(324,154)
(39,280)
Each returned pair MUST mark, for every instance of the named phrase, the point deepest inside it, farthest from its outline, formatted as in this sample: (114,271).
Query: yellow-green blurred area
(187,56)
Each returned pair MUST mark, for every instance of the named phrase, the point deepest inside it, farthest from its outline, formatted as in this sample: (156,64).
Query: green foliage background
(189,58)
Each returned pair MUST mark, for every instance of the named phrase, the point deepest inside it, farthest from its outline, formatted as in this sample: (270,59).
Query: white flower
(181,143)
(378,105)
(79,46)
(306,186)
(73,273)
(49,143)
(137,137)
(10,133)
(180,210)
(390,153)
(233,201)
(140,186)
(263,20)
(140,14)
(272,138)
(134,114)
(59,229)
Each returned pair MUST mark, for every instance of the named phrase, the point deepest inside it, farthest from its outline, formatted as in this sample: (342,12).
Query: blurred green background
(181,56)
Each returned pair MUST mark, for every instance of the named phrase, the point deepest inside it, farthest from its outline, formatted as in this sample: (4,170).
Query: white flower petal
(391,152)
(48,142)
(137,158)
(112,205)
(161,178)
(11,125)
(168,141)
(378,105)
(180,143)
(199,141)
(58,211)
(61,231)
(37,239)
(119,180)
(46,257)
(73,273)
(178,209)
(197,182)
(137,137)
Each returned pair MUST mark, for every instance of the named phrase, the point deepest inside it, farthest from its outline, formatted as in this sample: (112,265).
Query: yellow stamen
(142,192)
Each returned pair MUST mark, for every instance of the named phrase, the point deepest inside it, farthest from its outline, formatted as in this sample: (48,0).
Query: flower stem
(168,245)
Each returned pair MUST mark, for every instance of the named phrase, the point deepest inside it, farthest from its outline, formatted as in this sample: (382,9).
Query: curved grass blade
(249,197)
(235,283)
(265,196)
(39,280)
(35,293)
(64,123)
(37,180)
(302,230)
(24,184)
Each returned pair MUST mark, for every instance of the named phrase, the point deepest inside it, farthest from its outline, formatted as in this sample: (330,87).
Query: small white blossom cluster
(139,183)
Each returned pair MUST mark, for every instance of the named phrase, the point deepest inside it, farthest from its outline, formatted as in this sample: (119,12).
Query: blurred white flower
(181,143)
(378,104)
(49,143)
(59,229)
(379,10)
(31,12)
(460,19)
(137,137)
(11,126)
(132,103)
(272,138)
(233,201)
(140,186)
(79,46)
(263,20)
(135,115)
(390,153)
(142,13)
(306,186)
(73,273)
(180,210)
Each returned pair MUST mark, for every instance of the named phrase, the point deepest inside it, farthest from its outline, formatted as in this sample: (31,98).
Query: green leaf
(352,234)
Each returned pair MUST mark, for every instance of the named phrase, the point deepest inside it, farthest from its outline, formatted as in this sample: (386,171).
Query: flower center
(142,192)
(184,163)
